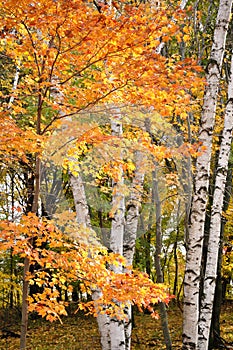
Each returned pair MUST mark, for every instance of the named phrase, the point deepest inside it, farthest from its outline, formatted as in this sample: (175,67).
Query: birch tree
(83,218)
(117,334)
(215,222)
(130,231)
(201,181)
(80,201)
(89,56)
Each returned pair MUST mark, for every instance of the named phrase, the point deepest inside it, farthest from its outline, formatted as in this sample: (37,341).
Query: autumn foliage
(72,56)
(63,260)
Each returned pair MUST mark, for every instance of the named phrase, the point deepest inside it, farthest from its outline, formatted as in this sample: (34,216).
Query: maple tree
(97,50)
(64,260)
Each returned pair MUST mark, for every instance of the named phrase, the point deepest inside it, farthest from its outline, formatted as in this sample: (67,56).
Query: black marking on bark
(208,131)
(198,245)
(203,188)
(120,322)
(187,344)
(191,271)
(212,62)
(130,205)
(211,279)
(189,303)
(230,100)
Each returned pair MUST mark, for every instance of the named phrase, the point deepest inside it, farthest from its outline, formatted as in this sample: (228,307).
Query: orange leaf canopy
(62,261)
(74,55)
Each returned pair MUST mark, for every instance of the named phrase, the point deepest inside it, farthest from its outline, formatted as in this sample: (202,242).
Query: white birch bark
(103,325)
(118,197)
(215,222)
(117,334)
(15,84)
(80,201)
(130,234)
(133,207)
(83,218)
(201,182)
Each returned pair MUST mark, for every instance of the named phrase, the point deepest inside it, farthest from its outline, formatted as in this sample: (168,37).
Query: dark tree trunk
(148,253)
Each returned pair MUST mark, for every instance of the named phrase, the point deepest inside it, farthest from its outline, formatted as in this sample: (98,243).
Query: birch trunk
(80,201)
(15,84)
(103,325)
(130,234)
(133,206)
(215,223)
(117,334)
(201,182)
(83,218)
(215,339)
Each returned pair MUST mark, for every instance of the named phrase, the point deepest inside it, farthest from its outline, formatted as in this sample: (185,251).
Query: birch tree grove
(107,94)
(201,181)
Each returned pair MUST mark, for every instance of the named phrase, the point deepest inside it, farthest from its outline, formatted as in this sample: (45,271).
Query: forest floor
(79,332)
